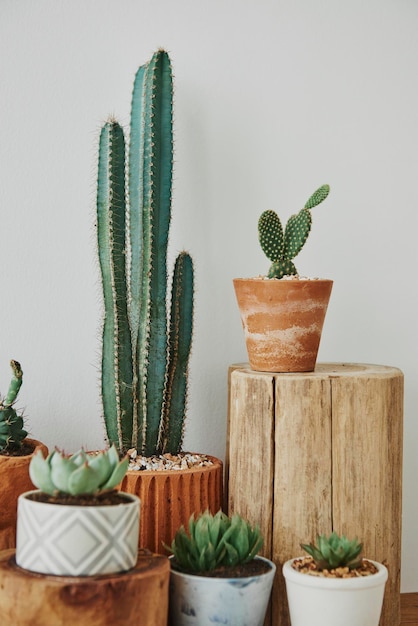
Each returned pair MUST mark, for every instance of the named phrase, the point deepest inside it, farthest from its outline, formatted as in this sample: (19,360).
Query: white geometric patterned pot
(321,601)
(66,540)
(204,601)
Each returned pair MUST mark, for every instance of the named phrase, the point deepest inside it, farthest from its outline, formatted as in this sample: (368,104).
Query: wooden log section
(309,453)
(139,596)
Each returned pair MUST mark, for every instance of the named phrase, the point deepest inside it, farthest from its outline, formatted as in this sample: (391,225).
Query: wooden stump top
(329,370)
(32,599)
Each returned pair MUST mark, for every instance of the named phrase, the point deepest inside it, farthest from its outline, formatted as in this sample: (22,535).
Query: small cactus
(335,551)
(12,432)
(283,246)
(215,541)
(77,474)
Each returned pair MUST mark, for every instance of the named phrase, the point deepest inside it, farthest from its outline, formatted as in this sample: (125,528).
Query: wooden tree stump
(139,596)
(310,453)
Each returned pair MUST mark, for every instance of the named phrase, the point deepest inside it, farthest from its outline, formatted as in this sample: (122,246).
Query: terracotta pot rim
(276,281)
(35,442)
(190,470)
(221,580)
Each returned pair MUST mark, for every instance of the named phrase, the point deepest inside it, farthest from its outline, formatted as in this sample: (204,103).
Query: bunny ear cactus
(12,432)
(282,246)
(144,365)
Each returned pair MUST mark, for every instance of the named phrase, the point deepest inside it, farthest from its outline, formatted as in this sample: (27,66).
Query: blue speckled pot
(204,601)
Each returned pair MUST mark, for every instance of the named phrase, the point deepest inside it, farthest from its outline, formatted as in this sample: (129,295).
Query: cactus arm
(156,156)
(181,329)
(15,383)
(317,197)
(136,193)
(117,351)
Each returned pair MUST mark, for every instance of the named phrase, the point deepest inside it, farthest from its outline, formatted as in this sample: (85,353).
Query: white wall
(273,98)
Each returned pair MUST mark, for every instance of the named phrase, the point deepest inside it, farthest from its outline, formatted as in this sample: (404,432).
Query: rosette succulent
(77,474)
(12,432)
(334,551)
(215,541)
(281,246)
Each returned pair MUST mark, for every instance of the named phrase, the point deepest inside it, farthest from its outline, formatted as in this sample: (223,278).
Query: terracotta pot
(14,472)
(282,321)
(169,497)
(76,540)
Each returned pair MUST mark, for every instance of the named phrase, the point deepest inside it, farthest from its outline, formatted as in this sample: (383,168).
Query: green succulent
(335,551)
(12,432)
(77,474)
(281,246)
(214,541)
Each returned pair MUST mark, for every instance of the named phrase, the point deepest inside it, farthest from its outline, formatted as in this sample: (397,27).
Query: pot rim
(134,500)
(342,584)
(219,580)
(280,281)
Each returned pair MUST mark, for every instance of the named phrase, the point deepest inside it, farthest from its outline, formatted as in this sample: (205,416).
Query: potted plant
(334,584)
(76,523)
(283,314)
(77,548)
(16,451)
(216,575)
(145,356)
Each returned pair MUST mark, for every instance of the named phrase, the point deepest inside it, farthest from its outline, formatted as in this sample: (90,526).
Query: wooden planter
(315,452)
(14,472)
(169,497)
(139,596)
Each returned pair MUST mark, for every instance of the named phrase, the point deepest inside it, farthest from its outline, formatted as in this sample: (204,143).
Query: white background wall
(273,99)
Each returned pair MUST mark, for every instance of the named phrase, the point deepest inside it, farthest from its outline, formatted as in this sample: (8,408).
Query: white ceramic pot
(320,601)
(66,540)
(204,601)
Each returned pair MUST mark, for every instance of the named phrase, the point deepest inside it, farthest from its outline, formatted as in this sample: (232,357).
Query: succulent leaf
(59,473)
(83,479)
(40,473)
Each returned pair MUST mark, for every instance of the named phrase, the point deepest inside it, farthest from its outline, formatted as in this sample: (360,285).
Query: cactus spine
(283,246)
(144,368)
(12,432)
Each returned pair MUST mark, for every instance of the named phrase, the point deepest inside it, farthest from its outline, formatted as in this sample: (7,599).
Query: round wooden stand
(139,596)
(309,453)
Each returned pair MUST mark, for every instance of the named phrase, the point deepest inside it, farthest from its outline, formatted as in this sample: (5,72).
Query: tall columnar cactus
(11,424)
(145,360)
(283,246)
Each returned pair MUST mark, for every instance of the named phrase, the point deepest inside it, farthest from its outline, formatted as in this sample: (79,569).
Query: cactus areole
(145,354)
